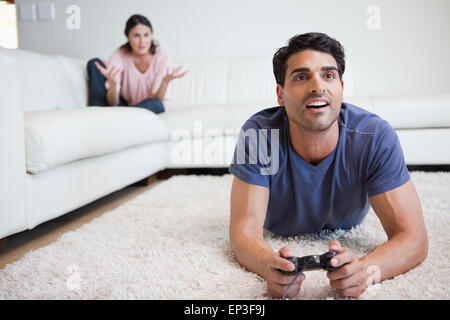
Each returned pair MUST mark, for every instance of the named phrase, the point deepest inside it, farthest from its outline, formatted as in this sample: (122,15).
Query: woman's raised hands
(111,73)
(175,74)
(161,92)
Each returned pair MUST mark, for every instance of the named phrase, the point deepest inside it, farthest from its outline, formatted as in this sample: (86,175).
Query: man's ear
(280,95)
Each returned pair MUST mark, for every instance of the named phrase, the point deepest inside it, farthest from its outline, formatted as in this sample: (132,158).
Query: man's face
(312,93)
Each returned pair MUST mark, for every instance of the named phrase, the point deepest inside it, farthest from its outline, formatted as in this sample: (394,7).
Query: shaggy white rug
(171,242)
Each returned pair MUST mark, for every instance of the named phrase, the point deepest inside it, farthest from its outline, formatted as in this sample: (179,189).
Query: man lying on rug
(329,162)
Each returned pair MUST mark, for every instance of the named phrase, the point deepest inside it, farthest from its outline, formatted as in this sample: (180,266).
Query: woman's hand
(175,74)
(113,76)
(111,73)
(161,92)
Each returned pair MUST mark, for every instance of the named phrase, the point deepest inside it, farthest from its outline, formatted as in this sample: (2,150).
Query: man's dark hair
(312,41)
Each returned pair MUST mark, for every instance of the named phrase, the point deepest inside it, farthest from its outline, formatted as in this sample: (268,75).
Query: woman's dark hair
(133,21)
(313,41)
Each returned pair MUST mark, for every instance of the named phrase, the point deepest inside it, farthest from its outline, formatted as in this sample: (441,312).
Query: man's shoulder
(366,131)
(269,118)
(361,121)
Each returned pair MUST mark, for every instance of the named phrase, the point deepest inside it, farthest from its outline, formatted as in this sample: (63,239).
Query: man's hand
(350,280)
(277,281)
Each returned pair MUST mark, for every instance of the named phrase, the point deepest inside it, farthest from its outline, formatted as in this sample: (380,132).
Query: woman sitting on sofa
(137,74)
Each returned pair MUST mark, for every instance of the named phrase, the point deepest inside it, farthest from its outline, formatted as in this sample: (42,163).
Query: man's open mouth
(317,105)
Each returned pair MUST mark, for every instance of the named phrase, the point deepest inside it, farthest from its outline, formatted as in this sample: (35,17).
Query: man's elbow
(421,247)
(424,248)
(235,244)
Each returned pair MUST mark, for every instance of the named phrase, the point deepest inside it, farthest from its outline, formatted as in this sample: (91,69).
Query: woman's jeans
(97,91)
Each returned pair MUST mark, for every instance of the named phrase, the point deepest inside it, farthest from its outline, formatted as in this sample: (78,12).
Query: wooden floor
(19,244)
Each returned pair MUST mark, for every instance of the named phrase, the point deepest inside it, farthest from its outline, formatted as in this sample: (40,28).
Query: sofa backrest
(223,81)
(49,81)
(235,83)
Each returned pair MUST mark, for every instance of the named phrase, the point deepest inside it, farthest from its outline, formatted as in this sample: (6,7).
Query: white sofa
(58,154)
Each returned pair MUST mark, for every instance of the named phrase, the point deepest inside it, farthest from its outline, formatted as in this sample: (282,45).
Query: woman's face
(140,39)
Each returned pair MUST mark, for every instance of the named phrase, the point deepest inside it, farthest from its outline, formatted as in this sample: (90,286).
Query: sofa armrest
(13,189)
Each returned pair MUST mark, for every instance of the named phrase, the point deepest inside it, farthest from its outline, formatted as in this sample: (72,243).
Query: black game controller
(309,263)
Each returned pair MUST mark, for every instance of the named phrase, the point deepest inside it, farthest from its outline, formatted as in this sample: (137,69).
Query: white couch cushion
(210,120)
(204,84)
(70,186)
(237,114)
(412,112)
(50,82)
(56,137)
(76,73)
(195,122)
(251,79)
(425,146)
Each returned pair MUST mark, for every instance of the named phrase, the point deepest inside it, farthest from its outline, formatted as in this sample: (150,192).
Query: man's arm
(400,213)
(248,212)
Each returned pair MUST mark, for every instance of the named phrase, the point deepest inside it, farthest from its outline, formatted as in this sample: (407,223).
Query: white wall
(407,55)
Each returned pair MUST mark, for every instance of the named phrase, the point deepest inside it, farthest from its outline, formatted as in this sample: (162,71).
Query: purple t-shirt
(333,194)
